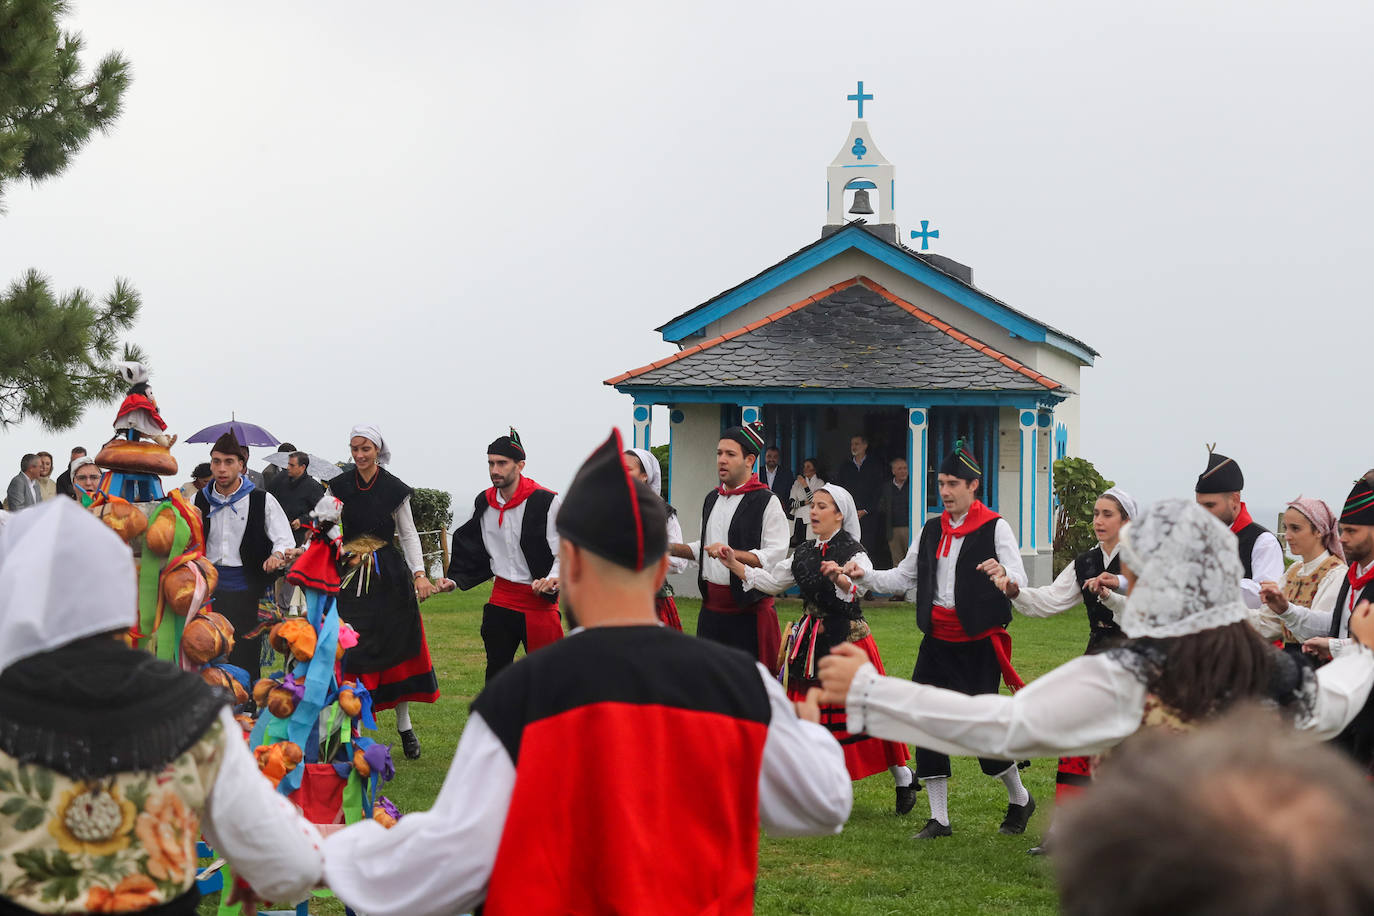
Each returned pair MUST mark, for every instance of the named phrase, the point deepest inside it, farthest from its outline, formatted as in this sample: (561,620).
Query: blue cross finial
(926,234)
(861,97)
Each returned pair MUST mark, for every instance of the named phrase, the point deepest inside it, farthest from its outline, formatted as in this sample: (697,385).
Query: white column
(642,416)
(916,461)
(1027,498)
(1045,455)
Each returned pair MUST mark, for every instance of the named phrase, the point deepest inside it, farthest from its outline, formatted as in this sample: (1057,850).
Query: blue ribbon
(318,675)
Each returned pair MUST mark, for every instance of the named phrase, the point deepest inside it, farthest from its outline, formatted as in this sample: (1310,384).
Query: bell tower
(860,182)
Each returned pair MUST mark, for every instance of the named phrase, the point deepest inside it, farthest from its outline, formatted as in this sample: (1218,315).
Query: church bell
(861,204)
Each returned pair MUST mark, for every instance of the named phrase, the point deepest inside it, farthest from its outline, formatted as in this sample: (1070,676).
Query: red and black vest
(977,602)
(745,533)
(470,564)
(592,724)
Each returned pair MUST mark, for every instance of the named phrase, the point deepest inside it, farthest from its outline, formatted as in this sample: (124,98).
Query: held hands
(837,672)
(713,550)
(424,589)
(1272,597)
(445,585)
(1101,585)
(809,709)
(1318,646)
(545,586)
(851,569)
(998,574)
(831,570)
(273,563)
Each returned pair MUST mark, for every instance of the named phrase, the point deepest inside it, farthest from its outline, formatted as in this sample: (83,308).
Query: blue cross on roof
(860,96)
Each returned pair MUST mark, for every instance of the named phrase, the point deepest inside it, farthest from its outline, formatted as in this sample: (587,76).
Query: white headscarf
(374,435)
(1187,571)
(1124,500)
(78,463)
(651,467)
(845,503)
(63,576)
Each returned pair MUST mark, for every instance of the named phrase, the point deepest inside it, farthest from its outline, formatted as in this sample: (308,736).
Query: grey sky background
(448,218)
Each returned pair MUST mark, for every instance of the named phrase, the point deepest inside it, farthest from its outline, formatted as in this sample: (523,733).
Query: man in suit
(23,490)
(775,476)
(297,492)
(65,486)
(863,476)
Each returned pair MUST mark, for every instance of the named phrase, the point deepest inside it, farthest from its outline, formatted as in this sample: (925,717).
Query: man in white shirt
(1218,491)
(774,476)
(743,514)
(511,537)
(248,538)
(961,566)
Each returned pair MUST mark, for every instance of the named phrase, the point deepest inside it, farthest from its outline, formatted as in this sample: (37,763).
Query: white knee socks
(937,790)
(403,716)
(901,775)
(1011,778)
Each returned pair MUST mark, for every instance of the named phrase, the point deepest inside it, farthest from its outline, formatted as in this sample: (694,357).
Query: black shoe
(906,796)
(411,744)
(1017,818)
(933,829)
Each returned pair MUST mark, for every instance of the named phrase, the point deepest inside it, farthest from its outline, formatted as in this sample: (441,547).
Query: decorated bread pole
(140,451)
(310,720)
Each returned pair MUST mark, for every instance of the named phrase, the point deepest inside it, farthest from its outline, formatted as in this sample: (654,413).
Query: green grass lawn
(873,866)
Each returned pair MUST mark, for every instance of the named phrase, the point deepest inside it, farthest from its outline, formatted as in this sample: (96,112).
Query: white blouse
(902,578)
(676,564)
(1303,622)
(1082,707)
(1063,593)
(779,578)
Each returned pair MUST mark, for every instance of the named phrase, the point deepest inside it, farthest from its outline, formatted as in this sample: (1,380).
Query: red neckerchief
(1243,520)
(749,486)
(978,516)
(522,492)
(1358,582)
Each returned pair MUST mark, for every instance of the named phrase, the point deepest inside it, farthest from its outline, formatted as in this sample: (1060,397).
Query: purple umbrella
(246,433)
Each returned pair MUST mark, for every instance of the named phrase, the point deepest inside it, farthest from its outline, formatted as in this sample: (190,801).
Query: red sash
(516,596)
(945,625)
(720,599)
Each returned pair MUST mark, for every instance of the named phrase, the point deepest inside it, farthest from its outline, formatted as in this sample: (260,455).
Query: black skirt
(386,615)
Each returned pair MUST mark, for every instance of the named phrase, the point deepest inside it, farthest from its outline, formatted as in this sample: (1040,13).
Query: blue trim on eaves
(903,397)
(859,238)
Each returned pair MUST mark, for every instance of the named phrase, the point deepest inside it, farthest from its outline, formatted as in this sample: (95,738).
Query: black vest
(470,564)
(1245,543)
(255,547)
(1088,565)
(977,602)
(1341,604)
(818,592)
(745,533)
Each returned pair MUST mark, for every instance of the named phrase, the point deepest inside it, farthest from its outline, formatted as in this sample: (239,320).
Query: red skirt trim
(863,755)
(410,681)
(666,608)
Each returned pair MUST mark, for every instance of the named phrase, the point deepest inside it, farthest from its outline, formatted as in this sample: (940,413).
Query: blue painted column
(643,423)
(917,457)
(675,418)
(1028,494)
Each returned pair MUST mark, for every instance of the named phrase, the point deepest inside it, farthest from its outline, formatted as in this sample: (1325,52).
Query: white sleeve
(1047,600)
(1306,623)
(1266,565)
(774,580)
(1082,707)
(409,537)
(278,527)
(551,534)
(1342,690)
(676,564)
(1115,602)
(804,787)
(1009,553)
(898,580)
(437,861)
(1328,590)
(261,834)
(777,534)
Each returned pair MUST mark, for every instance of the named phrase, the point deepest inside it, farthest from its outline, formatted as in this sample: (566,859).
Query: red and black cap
(1222,475)
(749,436)
(1359,505)
(612,513)
(962,464)
(508,446)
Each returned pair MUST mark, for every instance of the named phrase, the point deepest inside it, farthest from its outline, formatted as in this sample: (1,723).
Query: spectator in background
(1244,816)
(895,509)
(269,473)
(200,479)
(863,477)
(297,492)
(47,487)
(85,476)
(799,500)
(23,489)
(65,484)
(774,476)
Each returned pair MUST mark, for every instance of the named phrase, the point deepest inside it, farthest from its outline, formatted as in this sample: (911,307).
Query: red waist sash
(517,596)
(721,600)
(945,626)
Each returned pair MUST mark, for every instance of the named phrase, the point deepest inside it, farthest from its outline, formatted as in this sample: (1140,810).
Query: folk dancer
(954,566)
(247,538)
(746,516)
(1313,584)
(511,536)
(641,463)
(1219,492)
(832,614)
(557,784)
(382,598)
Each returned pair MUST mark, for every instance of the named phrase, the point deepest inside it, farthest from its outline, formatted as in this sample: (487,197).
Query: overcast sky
(446,218)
